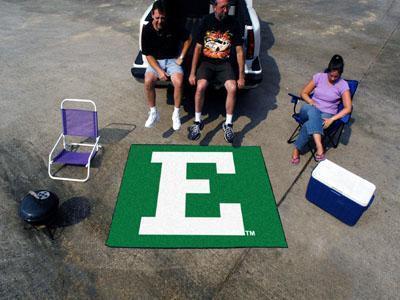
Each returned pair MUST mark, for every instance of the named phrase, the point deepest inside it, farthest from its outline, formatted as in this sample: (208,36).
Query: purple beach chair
(77,123)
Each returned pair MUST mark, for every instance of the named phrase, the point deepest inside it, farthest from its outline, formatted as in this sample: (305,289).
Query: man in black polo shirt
(160,45)
(218,35)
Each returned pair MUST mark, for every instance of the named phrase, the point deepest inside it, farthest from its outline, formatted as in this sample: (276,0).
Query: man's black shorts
(220,72)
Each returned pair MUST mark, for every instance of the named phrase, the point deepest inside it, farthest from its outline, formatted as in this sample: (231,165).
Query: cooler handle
(336,192)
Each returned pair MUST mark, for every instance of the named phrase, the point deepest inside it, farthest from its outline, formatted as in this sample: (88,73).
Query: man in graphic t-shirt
(218,36)
(160,45)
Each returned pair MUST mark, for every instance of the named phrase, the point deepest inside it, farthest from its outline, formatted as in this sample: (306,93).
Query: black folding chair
(333,133)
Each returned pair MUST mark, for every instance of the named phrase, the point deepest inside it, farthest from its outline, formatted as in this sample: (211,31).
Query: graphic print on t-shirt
(217,45)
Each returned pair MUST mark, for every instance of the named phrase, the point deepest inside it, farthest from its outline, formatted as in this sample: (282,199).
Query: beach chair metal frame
(68,157)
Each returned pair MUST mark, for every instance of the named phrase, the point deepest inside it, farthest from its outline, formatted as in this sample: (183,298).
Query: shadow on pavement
(115,132)
(111,134)
(72,211)
(257,103)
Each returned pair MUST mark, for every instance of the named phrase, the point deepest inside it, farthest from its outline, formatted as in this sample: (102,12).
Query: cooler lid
(343,181)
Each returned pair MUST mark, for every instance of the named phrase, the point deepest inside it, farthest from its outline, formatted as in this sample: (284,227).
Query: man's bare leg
(177,82)
(149,87)
(230,86)
(199,95)
(195,129)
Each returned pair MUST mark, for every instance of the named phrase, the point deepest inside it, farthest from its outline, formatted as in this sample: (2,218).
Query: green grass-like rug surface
(182,196)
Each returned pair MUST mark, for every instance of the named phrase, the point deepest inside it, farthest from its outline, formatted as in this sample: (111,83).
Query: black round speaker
(39,207)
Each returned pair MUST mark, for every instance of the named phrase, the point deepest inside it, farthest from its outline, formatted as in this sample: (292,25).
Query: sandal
(319,157)
(295,160)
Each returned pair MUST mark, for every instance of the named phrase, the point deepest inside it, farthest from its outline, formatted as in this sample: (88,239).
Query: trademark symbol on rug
(250,232)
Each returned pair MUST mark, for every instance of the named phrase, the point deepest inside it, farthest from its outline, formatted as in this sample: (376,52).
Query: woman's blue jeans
(313,123)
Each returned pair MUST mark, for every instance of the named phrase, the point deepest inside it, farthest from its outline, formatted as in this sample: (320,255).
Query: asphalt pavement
(51,50)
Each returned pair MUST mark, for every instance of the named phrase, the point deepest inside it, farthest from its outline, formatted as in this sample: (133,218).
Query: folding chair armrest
(55,146)
(295,100)
(95,147)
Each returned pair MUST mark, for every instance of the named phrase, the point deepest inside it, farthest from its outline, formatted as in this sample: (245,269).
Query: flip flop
(320,157)
(295,160)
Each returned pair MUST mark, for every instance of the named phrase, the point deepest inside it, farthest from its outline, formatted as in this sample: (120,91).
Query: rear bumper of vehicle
(253,75)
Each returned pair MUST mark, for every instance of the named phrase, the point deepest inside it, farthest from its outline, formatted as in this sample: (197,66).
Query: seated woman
(321,110)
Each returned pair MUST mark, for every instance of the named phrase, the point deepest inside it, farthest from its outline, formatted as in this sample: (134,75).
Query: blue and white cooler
(339,192)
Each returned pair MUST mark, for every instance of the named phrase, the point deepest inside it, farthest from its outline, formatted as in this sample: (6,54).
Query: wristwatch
(181,57)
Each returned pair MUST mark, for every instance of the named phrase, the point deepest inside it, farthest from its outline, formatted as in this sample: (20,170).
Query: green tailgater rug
(174,196)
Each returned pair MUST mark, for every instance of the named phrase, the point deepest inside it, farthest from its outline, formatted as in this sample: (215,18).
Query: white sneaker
(176,121)
(153,118)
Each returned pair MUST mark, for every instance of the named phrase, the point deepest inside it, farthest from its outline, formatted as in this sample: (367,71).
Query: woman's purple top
(327,96)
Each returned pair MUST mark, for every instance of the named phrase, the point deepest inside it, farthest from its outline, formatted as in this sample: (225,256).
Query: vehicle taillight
(250,44)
